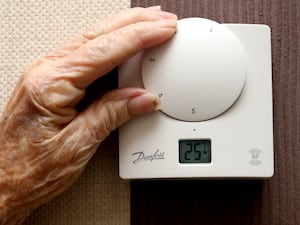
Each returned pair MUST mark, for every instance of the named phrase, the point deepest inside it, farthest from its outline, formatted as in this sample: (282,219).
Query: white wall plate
(216,120)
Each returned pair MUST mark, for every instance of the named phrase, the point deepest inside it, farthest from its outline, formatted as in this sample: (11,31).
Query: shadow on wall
(196,202)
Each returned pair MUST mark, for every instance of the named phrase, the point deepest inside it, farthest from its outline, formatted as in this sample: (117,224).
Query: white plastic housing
(237,117)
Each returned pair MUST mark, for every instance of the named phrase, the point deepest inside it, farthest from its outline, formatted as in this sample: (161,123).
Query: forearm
(12,210)
(30,177)
(12,206)
(8,216)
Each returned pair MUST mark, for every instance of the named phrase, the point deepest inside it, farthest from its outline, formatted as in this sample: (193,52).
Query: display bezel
(182,152)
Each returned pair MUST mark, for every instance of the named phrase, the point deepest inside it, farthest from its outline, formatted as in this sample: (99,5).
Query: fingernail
(154,8)
(143,104)
(166,15)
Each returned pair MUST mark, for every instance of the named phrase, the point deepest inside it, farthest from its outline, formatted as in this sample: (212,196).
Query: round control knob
(199,73)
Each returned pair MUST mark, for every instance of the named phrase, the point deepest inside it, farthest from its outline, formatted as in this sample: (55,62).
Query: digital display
(194,151)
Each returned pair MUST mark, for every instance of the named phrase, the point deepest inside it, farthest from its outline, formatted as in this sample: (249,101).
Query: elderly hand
(45,142)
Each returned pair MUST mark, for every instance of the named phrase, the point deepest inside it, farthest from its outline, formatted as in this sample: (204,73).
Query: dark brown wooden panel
(275,201)
(198,202)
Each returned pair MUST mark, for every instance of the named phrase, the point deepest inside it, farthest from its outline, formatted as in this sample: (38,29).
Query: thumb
(112,110)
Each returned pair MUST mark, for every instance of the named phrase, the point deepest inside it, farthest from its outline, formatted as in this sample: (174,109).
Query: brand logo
(255,156)
(142,157)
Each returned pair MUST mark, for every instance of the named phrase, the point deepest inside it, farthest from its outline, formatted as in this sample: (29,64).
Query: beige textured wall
(29,29)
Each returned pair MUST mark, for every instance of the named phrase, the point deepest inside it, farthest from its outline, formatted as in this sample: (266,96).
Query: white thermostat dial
(199,73)
(216,119)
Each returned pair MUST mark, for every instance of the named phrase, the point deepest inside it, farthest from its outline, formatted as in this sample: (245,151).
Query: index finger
(101,54)
(114,22)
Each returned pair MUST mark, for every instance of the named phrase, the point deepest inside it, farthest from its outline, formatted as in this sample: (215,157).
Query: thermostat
(216,120)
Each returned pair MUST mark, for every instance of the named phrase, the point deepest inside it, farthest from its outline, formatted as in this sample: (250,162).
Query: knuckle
(96,30)
(35,81)
(101,48)
(131,37)
(139,11)
(97,132)
(45,89)
(99,128)
(111,117)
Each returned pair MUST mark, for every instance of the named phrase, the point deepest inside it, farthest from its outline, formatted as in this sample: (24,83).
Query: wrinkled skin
(45,142)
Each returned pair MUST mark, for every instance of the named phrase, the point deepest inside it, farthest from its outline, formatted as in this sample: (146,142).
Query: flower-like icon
(255,156)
